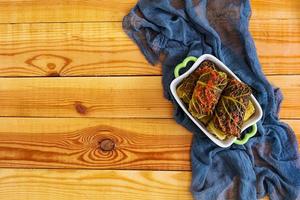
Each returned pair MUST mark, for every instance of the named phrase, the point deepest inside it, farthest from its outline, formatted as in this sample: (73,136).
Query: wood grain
(97,49)
(69,49)
(116,97)
(45,184)
(94,185)
(156,144)
(20,11)
(278,45)
(148,144)
(290,107)
(29,11)
(88,97)
(34,42)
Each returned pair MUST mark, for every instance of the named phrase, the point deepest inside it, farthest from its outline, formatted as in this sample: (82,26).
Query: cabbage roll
(186,88)
(230,111)
(207,92)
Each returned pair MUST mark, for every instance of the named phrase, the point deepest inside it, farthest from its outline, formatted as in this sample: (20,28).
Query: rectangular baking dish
(222,67)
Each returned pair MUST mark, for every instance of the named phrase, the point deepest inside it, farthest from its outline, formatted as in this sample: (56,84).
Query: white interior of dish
(253,119)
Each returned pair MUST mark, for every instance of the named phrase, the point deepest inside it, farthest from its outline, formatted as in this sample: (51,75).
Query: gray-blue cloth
(167,31)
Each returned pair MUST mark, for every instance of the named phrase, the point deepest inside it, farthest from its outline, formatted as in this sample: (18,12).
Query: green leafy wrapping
(231,108)
(207,93)
(186,88)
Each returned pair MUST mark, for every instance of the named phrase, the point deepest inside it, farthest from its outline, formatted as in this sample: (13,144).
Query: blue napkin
(167,31)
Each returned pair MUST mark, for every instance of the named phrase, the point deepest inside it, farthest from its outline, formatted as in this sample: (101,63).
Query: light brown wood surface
(97,49)
(70,49)
(115,97)
(29,11)
(84,134)
(93,184)
(141,144)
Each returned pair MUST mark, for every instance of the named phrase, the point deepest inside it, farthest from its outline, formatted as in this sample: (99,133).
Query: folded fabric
(167,31)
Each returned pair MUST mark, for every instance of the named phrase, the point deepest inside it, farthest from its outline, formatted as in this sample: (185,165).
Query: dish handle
(183,64)
(247,136)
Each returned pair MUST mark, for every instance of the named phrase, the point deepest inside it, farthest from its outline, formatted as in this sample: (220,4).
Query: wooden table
(82,112)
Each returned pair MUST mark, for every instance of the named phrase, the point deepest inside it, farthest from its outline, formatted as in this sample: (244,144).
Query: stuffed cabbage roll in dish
(186,88)
(221,135)
(230,111)
(207,92)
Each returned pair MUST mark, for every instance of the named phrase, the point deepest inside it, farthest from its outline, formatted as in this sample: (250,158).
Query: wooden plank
(263,9)
(56,184)
(97,49)
(148,144)
(52,184)
(89,97)
(116,97)
(94,143)
(69,49)
(289,86)
(18,11)
(278,45)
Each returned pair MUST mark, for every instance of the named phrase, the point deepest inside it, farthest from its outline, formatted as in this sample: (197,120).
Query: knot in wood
(107,145)
(80,108)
